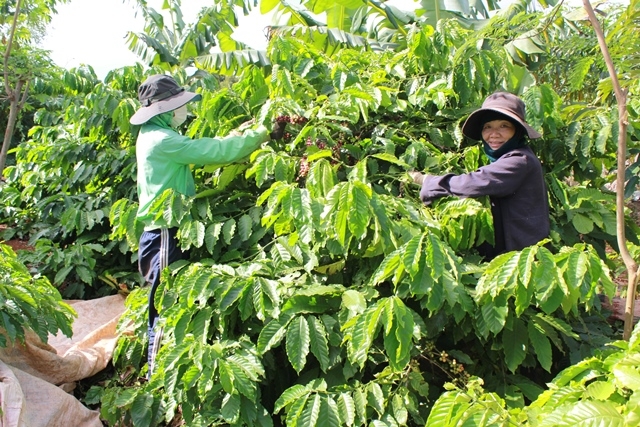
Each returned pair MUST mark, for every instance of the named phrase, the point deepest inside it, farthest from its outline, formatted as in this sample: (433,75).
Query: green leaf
(266,297)
(557,324)
(492,317)
(593,413)
(211,236)
(280,254)
(341,224)
(300,211)
(249,363)
(540,344)
(514,343)
(125,397)
(298,342)
(200,287)
(549,294)
(354,301)
(310,416)
(289,396)
(141,410)
(62,274)
(84,274)
(193,234)
(329,413)
(200,324)
(294,414)
(435,255)
(600,390)
(362,333)
(387,157)
(10,326)
(359,212)
(579,71)
(244,384)
(245,225)
(529,388)
(271,335)
(320,154)
(524,287)
(400,412)
(577,268)
(387,268)
(230,409)
(228,230)
(191,376)
(227,378)
(322,178)
(413,252)
(232,293)
(398,335)
(628,376)
(174,357)
(346,409)
(318,341)
(330,269)
(601,140)
(446,407)
(375,397)
(582,223)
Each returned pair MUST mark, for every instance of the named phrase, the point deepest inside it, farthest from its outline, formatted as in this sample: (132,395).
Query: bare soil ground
(15,244)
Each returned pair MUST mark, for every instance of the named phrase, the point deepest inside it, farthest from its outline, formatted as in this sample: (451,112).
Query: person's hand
(417,177)
(278,130)
(246,125)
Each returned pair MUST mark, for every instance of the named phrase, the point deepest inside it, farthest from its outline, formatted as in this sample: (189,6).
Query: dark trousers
(157,249)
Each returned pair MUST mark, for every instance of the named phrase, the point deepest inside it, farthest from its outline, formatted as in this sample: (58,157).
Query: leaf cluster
(28,304)
(602,387)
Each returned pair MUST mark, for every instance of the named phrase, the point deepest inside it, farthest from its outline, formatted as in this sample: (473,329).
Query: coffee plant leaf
(398,333)
(541,344)
(230,409)
(141,410)
(271,335)
(360,331)
(319,343)
(515,341)
(298,342)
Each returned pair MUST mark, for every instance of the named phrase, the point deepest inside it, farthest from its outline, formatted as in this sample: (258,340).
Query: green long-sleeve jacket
(164,158)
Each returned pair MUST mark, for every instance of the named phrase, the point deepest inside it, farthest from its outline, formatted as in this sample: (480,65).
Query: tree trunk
(15,100)
(14,109)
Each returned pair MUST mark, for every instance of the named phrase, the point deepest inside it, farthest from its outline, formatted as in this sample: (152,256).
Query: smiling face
(496,132)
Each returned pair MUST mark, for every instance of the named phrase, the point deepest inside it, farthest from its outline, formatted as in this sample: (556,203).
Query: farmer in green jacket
(164,159)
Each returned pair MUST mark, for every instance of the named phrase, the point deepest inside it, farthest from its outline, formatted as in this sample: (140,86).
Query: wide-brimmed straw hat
(159,94)
(501,102)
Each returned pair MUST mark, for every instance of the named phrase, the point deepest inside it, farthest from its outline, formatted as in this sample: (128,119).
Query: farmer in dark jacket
(513,180)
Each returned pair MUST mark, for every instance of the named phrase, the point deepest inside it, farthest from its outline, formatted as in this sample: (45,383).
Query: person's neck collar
(516,141)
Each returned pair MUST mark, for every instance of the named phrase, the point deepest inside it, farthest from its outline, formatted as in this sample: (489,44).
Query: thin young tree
(22,29)
(621,99)
(16,90)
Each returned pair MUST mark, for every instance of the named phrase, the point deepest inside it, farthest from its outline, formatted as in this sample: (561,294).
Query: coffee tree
(318,289)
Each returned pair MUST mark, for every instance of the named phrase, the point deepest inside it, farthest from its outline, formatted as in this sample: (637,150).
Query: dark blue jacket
(517,191)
